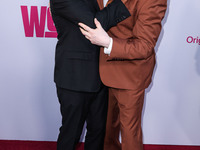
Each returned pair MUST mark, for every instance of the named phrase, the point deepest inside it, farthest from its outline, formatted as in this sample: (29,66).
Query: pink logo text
(191,39)
(37,22)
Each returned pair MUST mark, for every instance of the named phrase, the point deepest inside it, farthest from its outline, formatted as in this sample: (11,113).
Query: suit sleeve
(145,32)
(78,11)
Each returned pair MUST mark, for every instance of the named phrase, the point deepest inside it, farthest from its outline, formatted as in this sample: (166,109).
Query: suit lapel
(100,2)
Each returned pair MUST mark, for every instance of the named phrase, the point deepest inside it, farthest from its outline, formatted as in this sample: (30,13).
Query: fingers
(85,27)
(97,23)
(85,33)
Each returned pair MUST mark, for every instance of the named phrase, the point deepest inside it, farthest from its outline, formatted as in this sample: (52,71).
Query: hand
(96,36)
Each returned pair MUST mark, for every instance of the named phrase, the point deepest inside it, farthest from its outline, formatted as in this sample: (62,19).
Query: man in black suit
(80,91)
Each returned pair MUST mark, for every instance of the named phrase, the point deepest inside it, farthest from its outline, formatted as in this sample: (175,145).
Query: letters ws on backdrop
(34,20)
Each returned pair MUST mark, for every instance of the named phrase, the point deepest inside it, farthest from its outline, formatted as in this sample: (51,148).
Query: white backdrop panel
(29,109)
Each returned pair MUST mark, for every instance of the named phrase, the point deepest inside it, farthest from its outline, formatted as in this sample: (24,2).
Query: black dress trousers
(76,108)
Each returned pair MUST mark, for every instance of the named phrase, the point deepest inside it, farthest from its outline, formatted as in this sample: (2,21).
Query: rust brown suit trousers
(128,71)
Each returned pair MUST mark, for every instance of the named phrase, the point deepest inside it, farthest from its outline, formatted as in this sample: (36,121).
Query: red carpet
(41,145)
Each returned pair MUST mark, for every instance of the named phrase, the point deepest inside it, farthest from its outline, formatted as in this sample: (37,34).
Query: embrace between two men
(103,63)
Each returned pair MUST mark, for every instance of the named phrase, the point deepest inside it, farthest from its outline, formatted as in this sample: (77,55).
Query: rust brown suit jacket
(132,59)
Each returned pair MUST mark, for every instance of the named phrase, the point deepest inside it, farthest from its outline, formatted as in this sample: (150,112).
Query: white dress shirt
(105,2)
(108,50)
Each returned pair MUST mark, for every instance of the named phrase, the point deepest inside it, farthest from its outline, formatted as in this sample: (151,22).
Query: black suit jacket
(76,59)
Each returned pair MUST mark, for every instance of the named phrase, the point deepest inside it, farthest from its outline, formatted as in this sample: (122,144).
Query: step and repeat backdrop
(29,109)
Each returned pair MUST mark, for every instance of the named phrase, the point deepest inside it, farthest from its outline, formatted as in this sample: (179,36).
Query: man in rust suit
(127,60)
